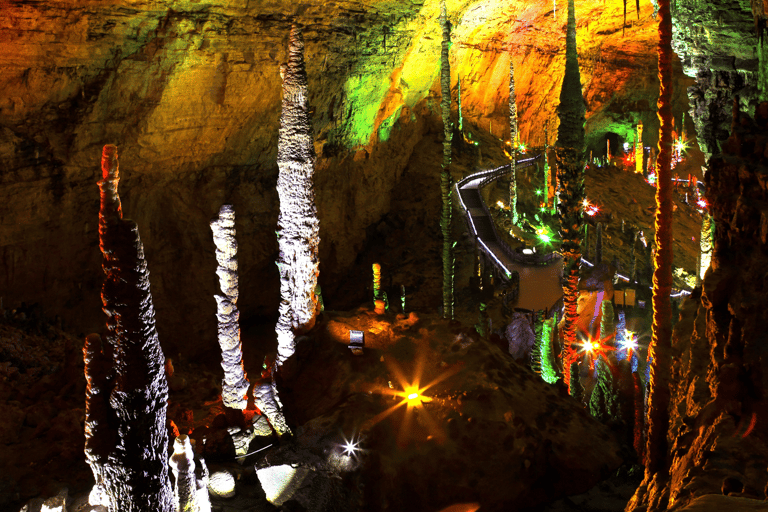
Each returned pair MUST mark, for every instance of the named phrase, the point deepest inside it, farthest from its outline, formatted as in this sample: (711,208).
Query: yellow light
(413,397)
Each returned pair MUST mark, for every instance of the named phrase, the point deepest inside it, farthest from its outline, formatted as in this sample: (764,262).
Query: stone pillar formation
(639,149)
(513,136)
(126,438)
(445,175)
(297,224)
(659,350)
(234,386)
(569,157)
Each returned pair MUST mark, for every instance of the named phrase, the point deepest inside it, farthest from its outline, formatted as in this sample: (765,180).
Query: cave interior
(433,255)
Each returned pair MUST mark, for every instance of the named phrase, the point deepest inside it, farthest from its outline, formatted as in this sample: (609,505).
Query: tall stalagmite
(298,228)
(513,141)
(659,350)
(234,387)
(126,438)
(445,175)
(569,157)
(639,151)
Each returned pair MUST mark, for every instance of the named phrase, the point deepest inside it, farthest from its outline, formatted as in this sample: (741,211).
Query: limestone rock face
(191,94)
(719,428)
(718,46)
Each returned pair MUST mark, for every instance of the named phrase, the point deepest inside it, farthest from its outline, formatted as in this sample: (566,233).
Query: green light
(386,126)
(539,192)
(364,94)
(548,365)
(545,238)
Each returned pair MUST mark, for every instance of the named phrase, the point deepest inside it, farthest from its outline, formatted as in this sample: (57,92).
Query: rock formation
(661,329)
(639,149)
(189,494)
(569,155)
(109,74)
(718,429)
(513,139)
(234,386)
(126,439)
(445,175)
(298,227)
(716,42)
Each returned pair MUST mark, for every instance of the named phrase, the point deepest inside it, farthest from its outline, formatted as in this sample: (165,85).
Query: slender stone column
(446,179)
(234,386)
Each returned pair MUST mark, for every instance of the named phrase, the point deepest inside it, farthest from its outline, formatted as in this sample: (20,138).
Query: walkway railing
(484,228)
(482,224)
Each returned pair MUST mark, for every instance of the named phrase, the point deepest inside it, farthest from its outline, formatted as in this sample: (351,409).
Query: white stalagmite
(298,228)
(186,493)
(266,399)
(234,387)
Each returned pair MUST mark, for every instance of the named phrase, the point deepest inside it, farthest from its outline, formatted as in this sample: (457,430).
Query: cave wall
(618,70)
(717,43)
(190,93)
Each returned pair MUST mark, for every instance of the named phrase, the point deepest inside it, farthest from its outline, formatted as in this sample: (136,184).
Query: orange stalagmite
(569,157)
(650,495)
(662,274)
(378,301)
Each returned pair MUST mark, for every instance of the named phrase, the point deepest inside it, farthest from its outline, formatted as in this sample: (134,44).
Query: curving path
(540,273)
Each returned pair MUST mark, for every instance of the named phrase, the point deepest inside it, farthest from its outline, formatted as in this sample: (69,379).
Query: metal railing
(486,178)
(540,259)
